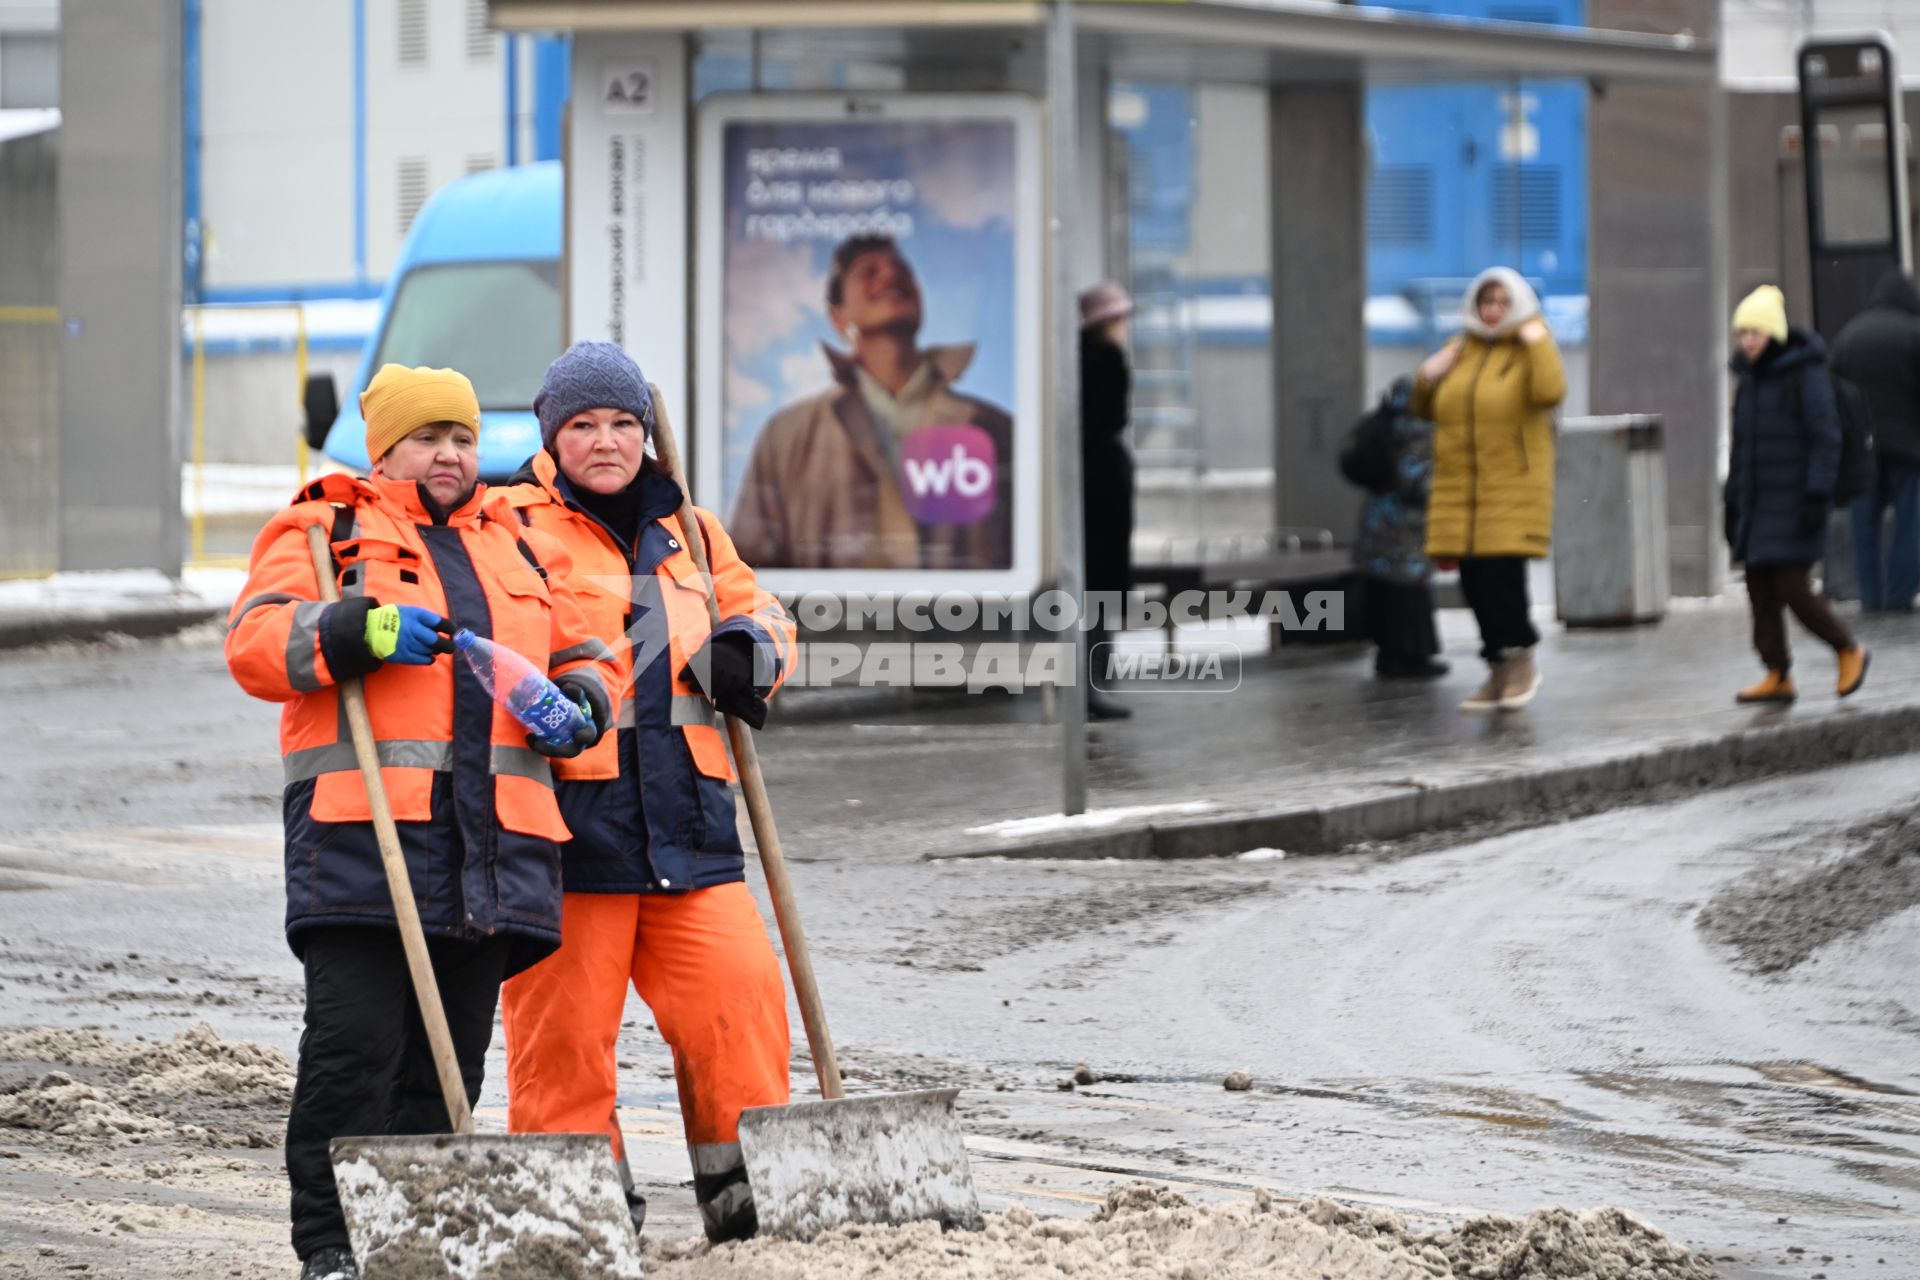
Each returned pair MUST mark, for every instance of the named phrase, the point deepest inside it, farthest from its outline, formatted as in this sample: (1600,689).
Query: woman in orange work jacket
(654,873)
(471,791)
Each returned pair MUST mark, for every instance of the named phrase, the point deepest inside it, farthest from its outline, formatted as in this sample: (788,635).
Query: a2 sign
(627,88)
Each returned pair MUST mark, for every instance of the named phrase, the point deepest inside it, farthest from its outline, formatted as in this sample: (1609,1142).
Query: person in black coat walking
(1879,352)
(1106,468)
(1779,491)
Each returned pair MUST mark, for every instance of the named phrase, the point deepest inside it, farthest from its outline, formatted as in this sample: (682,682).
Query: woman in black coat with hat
(1106,467)
(1780,480)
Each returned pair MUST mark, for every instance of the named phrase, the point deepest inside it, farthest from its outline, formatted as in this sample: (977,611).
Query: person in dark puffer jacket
(1779,490)
(1879,352)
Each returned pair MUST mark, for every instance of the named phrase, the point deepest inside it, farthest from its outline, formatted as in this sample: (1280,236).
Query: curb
(79,625)
(1528,799)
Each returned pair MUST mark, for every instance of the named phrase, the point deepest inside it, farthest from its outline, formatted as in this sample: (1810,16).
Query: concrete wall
(29,357)
(1232,194)
(253,409)
(276,152)
(119,284)
(29,53)
(1656,325)
(278,158)
(1232,203)
(1656,341)
(1318,230)
(1761,35)
(445,115)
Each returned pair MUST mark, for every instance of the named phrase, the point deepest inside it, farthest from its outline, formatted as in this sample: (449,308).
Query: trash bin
(1610,522)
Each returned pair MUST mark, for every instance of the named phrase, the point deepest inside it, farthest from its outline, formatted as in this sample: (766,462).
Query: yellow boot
(1777,687)
(1853,668)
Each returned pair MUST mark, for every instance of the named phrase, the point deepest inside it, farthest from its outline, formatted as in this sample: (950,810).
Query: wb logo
(949,474)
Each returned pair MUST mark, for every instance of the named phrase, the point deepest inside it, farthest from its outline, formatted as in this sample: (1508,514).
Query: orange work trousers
(703,964)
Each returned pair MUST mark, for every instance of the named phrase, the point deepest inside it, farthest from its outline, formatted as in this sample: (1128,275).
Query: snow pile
(1775,921)
(1144,1232)
(1091,820)
(196,1087)
(1600,1244)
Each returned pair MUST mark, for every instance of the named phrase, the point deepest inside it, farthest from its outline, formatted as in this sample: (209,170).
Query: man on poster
(890,467)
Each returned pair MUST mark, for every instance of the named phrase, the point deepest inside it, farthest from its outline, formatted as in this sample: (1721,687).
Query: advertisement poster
(870,339)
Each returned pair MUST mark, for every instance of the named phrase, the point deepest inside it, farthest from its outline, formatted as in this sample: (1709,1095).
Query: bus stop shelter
(647,214)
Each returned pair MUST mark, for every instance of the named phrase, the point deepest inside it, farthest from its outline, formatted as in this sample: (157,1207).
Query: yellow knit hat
(400,399)
(1764,310)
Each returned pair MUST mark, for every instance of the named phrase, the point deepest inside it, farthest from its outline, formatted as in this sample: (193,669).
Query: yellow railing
(198,556)
(29,441)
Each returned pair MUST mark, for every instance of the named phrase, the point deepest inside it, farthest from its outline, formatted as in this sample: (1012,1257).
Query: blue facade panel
(1471,175)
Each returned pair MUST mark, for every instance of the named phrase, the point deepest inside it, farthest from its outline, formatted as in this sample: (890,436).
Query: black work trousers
(1496,591)
(1774,588)
(365,1066)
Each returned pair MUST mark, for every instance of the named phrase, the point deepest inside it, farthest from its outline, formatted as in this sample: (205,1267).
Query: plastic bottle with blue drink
(522,688)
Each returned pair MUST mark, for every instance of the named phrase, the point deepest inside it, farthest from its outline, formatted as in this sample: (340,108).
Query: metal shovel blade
(460,1206)
(880,1157)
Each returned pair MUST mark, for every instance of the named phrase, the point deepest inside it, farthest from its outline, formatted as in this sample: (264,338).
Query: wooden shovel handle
(746,762)
(405,912)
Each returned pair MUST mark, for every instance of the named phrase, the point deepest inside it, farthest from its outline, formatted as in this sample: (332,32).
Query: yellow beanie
(1764,310)
(400,399)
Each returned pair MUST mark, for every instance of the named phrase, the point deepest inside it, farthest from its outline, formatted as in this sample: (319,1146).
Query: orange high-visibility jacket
(474,803)
(642,820)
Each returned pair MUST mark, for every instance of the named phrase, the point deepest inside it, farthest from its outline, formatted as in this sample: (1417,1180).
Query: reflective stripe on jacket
(474,804)
(649,808)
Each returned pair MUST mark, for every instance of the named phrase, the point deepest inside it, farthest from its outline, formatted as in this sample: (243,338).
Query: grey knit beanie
(591,375)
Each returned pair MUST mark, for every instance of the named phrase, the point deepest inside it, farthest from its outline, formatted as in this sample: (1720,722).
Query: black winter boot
(330,1264)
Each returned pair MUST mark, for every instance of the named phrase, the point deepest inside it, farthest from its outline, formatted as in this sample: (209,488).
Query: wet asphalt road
(1515,1021)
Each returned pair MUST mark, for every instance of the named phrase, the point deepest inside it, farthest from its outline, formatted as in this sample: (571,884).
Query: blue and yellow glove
(407,634)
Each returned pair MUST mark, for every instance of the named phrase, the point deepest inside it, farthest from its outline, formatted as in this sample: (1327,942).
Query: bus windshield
(496,322)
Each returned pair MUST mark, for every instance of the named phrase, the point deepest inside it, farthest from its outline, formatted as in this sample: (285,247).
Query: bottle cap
(463,639)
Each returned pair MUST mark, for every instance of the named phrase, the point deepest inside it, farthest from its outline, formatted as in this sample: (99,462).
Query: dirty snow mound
(195,1087)
(1773,921)
(1143,1232)
(57,1103)
(1596,1244)
(1140,1232)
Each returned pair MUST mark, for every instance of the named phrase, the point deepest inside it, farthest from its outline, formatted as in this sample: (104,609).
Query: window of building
(413,33)
(480,40)
(410,189)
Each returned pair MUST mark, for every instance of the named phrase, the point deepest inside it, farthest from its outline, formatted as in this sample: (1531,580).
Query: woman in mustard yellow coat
(1490,394)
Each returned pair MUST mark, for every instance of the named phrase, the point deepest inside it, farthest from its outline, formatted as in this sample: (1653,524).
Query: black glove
(723,670)
(593,706)
(343,638)
(1814,509)
(593,701)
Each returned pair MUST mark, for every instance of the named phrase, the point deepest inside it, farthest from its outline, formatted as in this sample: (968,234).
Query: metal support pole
(120,233)
(1719,283)
(1062,224)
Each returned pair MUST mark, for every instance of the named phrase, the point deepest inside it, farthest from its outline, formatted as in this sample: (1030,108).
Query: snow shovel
(812,1166)
(464,1204)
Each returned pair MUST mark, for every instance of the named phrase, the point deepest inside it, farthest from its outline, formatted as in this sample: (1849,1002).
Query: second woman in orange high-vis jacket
(654,872)
(472,794)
